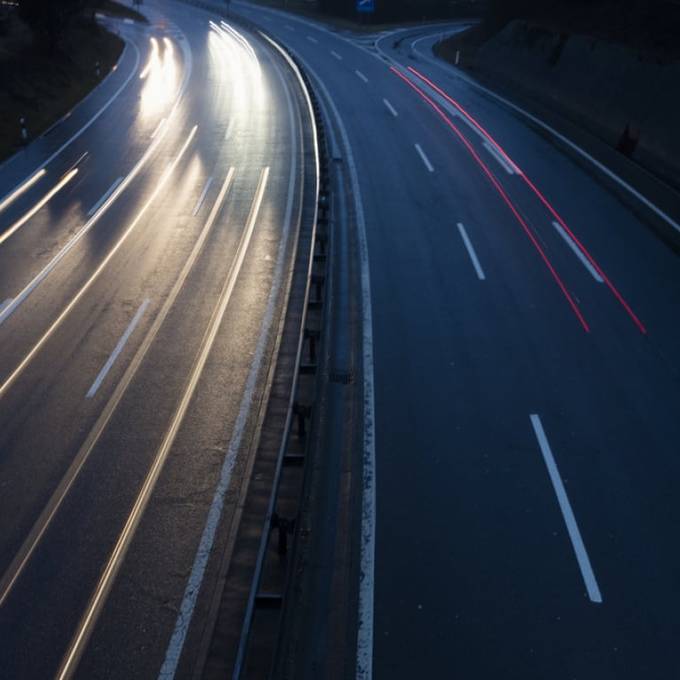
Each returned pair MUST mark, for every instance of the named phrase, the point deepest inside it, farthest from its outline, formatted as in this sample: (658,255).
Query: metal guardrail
(297,413)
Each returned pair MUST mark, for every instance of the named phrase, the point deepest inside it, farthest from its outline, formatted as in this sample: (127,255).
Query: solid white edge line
(108,192)
(194,582)
(336,55)
(6,303)
(201,198)
(117,350)
(85,127)
(361,76)
(471,252)
(424,158)
(577,251)
(499,159)
(390,108)
(567,513)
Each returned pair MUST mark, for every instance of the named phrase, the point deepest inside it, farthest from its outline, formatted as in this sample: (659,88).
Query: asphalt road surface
(141,300)
(520,360)
(524,339)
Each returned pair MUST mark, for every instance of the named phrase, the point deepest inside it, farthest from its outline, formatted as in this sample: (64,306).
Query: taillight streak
(537,193)
(503,195)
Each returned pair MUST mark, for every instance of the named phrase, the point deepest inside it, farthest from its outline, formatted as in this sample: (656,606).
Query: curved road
(520,489)
(520,368)
(143,275)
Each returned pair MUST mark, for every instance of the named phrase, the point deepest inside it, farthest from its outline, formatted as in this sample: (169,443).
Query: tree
(48,19)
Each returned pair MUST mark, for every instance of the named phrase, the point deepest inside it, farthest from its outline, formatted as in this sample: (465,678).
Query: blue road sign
(366,6)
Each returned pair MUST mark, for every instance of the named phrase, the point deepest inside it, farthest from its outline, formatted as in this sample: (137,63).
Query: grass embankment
(649,27)
(42,85)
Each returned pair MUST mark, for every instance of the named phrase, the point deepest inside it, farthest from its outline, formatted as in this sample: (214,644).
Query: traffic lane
(395,101)
(57,582)
(668,392)
(419,286)
(613,230)
(554,241)
(51,394)
(42,299)
(140,621)
(137,265)
(165,547)
(275,134)
(243,149)
(554,360)
(210,120)
(668,398)
(580,193)
(602,310)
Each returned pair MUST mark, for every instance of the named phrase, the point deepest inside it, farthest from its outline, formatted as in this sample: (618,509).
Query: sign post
(365,7)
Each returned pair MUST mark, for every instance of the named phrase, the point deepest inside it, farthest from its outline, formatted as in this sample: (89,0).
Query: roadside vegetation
(52,54)
(649,26)
(609,68)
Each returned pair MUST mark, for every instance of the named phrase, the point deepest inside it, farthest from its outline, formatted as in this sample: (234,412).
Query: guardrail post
(317,282)
(312,336)
(302,412)
(284,526)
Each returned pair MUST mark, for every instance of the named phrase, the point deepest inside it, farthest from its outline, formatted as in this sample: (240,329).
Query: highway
(520,497)
(518,362)
(143,273)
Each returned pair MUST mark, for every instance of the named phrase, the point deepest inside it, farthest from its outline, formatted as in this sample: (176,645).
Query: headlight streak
(153,59)
(22,189)
(66,311)
(161,83)
(252,68)
(40,204)
(38,279)
(244,69)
